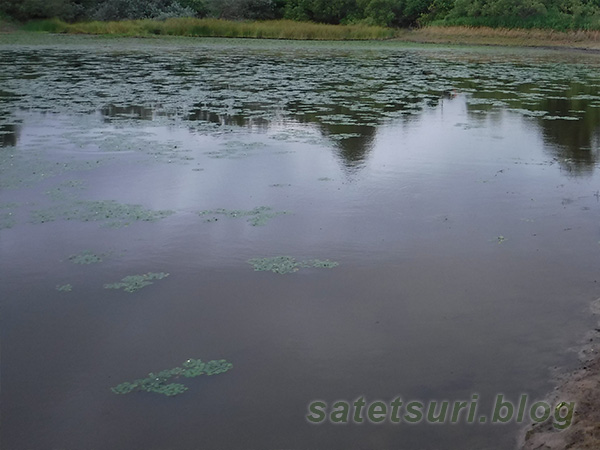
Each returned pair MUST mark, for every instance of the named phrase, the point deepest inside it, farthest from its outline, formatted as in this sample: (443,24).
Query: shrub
(140,9)
(23,10)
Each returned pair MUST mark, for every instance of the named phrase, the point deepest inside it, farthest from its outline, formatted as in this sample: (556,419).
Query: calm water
(458,189)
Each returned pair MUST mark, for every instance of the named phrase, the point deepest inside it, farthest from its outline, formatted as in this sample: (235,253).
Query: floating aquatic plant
(235,150)
(320,264)
(287,264)
(561,118)
(112,213)
(7,218)
(256,217)
(86,257)
(24,169)
(157,382)
(64,288)
(133,283)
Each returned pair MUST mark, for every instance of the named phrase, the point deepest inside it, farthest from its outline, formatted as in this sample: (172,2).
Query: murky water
(457,189)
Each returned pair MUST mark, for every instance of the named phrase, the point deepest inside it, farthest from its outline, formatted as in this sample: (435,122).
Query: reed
(274,29)
(585,39)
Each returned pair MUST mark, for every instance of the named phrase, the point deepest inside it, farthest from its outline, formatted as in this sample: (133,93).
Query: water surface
(457,189)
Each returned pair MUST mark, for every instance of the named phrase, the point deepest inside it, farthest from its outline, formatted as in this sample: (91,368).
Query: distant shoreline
(517,37)
(289,30)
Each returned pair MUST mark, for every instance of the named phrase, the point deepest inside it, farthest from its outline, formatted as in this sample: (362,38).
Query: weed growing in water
(133,283)
(157,382)
(7,218)
(287,264)
(112,213)
(64,288)
(256,217)
(86,257)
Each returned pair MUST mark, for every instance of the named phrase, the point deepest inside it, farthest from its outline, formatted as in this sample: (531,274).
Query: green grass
(535,31)
(274,29)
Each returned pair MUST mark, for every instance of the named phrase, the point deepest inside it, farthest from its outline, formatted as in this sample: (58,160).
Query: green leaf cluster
(256,217)
(86,257)
(158,382)
(287,264)
(110,212)
(133,283)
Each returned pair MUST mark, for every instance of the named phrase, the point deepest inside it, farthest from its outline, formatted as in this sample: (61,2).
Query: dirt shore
(582,387)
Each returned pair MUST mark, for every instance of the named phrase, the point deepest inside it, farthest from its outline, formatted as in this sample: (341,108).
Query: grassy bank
(588,40)
(282,29)
(275,29)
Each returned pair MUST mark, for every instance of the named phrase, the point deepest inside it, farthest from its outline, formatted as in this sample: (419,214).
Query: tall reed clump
(273,29)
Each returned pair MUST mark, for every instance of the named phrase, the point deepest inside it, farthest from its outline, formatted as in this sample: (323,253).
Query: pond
(312,221)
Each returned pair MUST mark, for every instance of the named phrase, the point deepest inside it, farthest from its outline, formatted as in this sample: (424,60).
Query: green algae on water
(86,257)
(256,217)
(134,283)
(7,218)
(24,170)
(157,382)
(235,150)
(287,264)
(110,212)
(319,264)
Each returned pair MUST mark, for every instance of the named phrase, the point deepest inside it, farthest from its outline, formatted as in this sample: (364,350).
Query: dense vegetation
(557,14)
(196,27)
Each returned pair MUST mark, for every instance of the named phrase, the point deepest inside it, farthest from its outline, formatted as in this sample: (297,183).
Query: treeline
(558,14)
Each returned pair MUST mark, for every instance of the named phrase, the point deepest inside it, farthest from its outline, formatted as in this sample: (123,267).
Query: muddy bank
(582,387)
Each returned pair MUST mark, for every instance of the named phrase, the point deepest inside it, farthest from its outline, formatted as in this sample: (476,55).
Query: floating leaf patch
(133,283)
(7,218)
(86,257)
(158,382)
(256,217)
(110,212)
(287,264)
